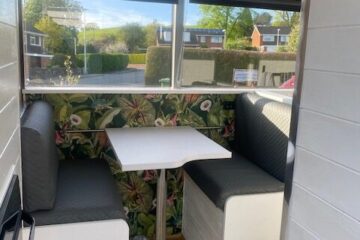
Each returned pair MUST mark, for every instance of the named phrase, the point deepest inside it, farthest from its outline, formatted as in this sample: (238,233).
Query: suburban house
(194,37)
(268,38)
(34,48)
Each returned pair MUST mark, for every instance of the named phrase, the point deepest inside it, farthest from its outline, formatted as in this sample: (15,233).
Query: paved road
(130,77)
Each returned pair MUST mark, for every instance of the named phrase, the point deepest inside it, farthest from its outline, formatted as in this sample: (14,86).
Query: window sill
(149,90)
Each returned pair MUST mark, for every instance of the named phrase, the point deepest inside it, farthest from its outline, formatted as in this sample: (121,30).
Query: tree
(59,39)
(220,17)
(150,31)
(134,36)
(264,18)
(245,23)
(36,9)
(294,38)
(284,18)
(237,22)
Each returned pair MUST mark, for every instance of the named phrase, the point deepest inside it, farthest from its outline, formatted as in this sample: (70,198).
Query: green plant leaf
(85,118)
(107,118)
(78,98)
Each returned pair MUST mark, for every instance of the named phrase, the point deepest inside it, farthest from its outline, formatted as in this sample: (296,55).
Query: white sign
(245,75)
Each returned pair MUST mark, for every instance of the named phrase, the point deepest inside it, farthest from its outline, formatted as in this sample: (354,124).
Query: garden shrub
(137,58)
(158,62)
(103,62)
(158,65)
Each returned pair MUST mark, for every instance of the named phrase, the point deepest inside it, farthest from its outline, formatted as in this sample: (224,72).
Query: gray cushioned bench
(67,191)
(259,153)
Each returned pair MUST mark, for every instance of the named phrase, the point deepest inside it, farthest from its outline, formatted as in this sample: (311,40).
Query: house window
(35,41)
(167,36)
(284,38)
(269,38)
(216,39)
(187,37)
(202,39)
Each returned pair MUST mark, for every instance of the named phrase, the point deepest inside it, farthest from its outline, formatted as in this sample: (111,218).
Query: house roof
(273,30)
(30,28)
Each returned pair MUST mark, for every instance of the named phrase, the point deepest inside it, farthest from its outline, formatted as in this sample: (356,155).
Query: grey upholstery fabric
(259,154)
(86,192)
(262,132)
(221,179)
(39,157)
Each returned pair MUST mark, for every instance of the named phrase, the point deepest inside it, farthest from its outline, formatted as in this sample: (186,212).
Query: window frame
(177,49)
(33,43)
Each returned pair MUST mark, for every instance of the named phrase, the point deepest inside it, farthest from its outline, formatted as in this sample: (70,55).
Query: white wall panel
(325,197)
(9,95)
(333,49)
(321,218)
(297,232)
(8,44)
(330,137)
(9,119)
(330,182)
(335,94)
(335,13)
(9,83)
(8,12)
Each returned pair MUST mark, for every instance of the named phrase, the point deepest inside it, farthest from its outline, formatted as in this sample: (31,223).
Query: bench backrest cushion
(262,132)
(39,157)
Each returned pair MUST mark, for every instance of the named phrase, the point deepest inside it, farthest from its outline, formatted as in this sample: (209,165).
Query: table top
(162,148)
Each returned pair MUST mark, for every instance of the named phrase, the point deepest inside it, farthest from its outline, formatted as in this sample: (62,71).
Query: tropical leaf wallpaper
(75,112)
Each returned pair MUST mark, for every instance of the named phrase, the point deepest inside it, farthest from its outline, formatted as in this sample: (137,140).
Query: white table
(161,148)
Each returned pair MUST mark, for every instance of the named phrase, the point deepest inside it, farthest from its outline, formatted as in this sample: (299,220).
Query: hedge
(158,62)
(102,62)
(137,58)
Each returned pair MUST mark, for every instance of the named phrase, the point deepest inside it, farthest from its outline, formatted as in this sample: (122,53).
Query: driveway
(128,77)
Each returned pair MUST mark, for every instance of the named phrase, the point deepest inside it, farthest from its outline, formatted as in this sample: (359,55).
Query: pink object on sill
(289,84)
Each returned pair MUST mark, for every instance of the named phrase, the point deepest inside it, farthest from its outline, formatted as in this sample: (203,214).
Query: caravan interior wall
(325,194)
(9,94)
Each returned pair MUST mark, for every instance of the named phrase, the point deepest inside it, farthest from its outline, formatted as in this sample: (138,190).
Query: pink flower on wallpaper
(173,120)
(58,138)
(191,98)
(229,129)
(170,200)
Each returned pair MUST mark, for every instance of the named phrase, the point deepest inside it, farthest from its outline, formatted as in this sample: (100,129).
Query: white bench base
(98,230)
(246,217)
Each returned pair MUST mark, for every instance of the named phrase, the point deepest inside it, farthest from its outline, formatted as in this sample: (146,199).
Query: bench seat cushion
(86,192)
(221,179)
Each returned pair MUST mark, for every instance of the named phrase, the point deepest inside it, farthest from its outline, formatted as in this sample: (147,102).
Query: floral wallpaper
(75,112)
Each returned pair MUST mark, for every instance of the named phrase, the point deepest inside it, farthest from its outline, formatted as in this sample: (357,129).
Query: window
(167,36)
(269,38)
(284,38)
(216,39)
(221,63)
(97,43)
(132,44)
(35,41)
(187,37)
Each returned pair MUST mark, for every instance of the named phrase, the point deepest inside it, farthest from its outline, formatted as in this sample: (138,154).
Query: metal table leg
(161,206)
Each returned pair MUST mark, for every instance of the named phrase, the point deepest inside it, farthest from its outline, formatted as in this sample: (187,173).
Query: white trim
(38,55)
(142,90)
(116,229)
(5,185)
(276,96)
(34,33)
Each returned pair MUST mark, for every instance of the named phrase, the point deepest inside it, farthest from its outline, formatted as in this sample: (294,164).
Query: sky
(112,13)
